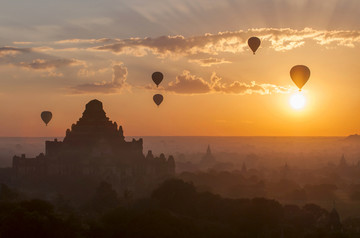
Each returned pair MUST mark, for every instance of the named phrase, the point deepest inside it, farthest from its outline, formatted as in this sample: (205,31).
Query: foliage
(175,209)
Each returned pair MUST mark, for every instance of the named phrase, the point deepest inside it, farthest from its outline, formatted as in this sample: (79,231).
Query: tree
(105,198)
(7,194)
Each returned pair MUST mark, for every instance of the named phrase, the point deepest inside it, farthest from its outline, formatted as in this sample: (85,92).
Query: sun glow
(297,101)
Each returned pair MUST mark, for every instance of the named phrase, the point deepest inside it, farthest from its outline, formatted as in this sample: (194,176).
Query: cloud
(187,83)
(252,88)
(42,64)
(49,66)
(179,45)
(209,61)
(22,42)
(81,41)
(118,82)
(202,49)
(207,45)
(284,39)
(5,51)
(343,38)
(90,72)
(280,39)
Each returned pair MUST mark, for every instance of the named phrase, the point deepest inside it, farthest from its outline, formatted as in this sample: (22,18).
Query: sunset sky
(58,55)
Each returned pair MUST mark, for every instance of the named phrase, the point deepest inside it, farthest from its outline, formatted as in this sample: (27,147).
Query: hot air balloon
(158,98)
(254,43)
(157,77)
(46,116)
(300,74)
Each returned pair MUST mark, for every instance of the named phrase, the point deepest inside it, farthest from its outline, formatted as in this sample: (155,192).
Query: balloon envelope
(300,74)
(254,43)
(158,98)
(46,116)
(157,77)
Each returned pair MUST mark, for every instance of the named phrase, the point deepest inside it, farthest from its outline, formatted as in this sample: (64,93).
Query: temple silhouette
(95,148)
(208,160)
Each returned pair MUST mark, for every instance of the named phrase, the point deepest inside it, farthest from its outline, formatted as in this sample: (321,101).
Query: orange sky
(213,85)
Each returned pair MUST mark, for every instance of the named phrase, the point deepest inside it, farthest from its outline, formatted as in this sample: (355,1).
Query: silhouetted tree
(35,218)
(7,194)
(105,198)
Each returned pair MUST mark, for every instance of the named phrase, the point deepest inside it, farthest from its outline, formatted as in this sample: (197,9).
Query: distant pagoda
(208,160)
(95,147)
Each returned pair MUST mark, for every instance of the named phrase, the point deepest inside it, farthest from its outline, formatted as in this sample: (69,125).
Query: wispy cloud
(207,62)
(179,45)
(82,41)
(117,83)
(49,66)
(280,39)
(205,50)
(43,64)
(6,51)
(287,39)
(22,42)
(187,83)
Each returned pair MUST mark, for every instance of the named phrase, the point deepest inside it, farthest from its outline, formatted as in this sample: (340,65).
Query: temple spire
(208,151)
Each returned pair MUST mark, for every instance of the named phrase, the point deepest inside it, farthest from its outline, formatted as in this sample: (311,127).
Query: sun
(297,101)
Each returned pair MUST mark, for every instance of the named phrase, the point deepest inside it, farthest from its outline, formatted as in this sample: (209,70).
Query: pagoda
(95,147)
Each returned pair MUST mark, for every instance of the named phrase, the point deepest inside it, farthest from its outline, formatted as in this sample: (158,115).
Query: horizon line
(186,136)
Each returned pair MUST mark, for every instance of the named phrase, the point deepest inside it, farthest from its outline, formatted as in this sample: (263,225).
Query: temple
(208,160)
(95,147)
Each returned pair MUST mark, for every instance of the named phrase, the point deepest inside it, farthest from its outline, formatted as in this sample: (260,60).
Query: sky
(58,55)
